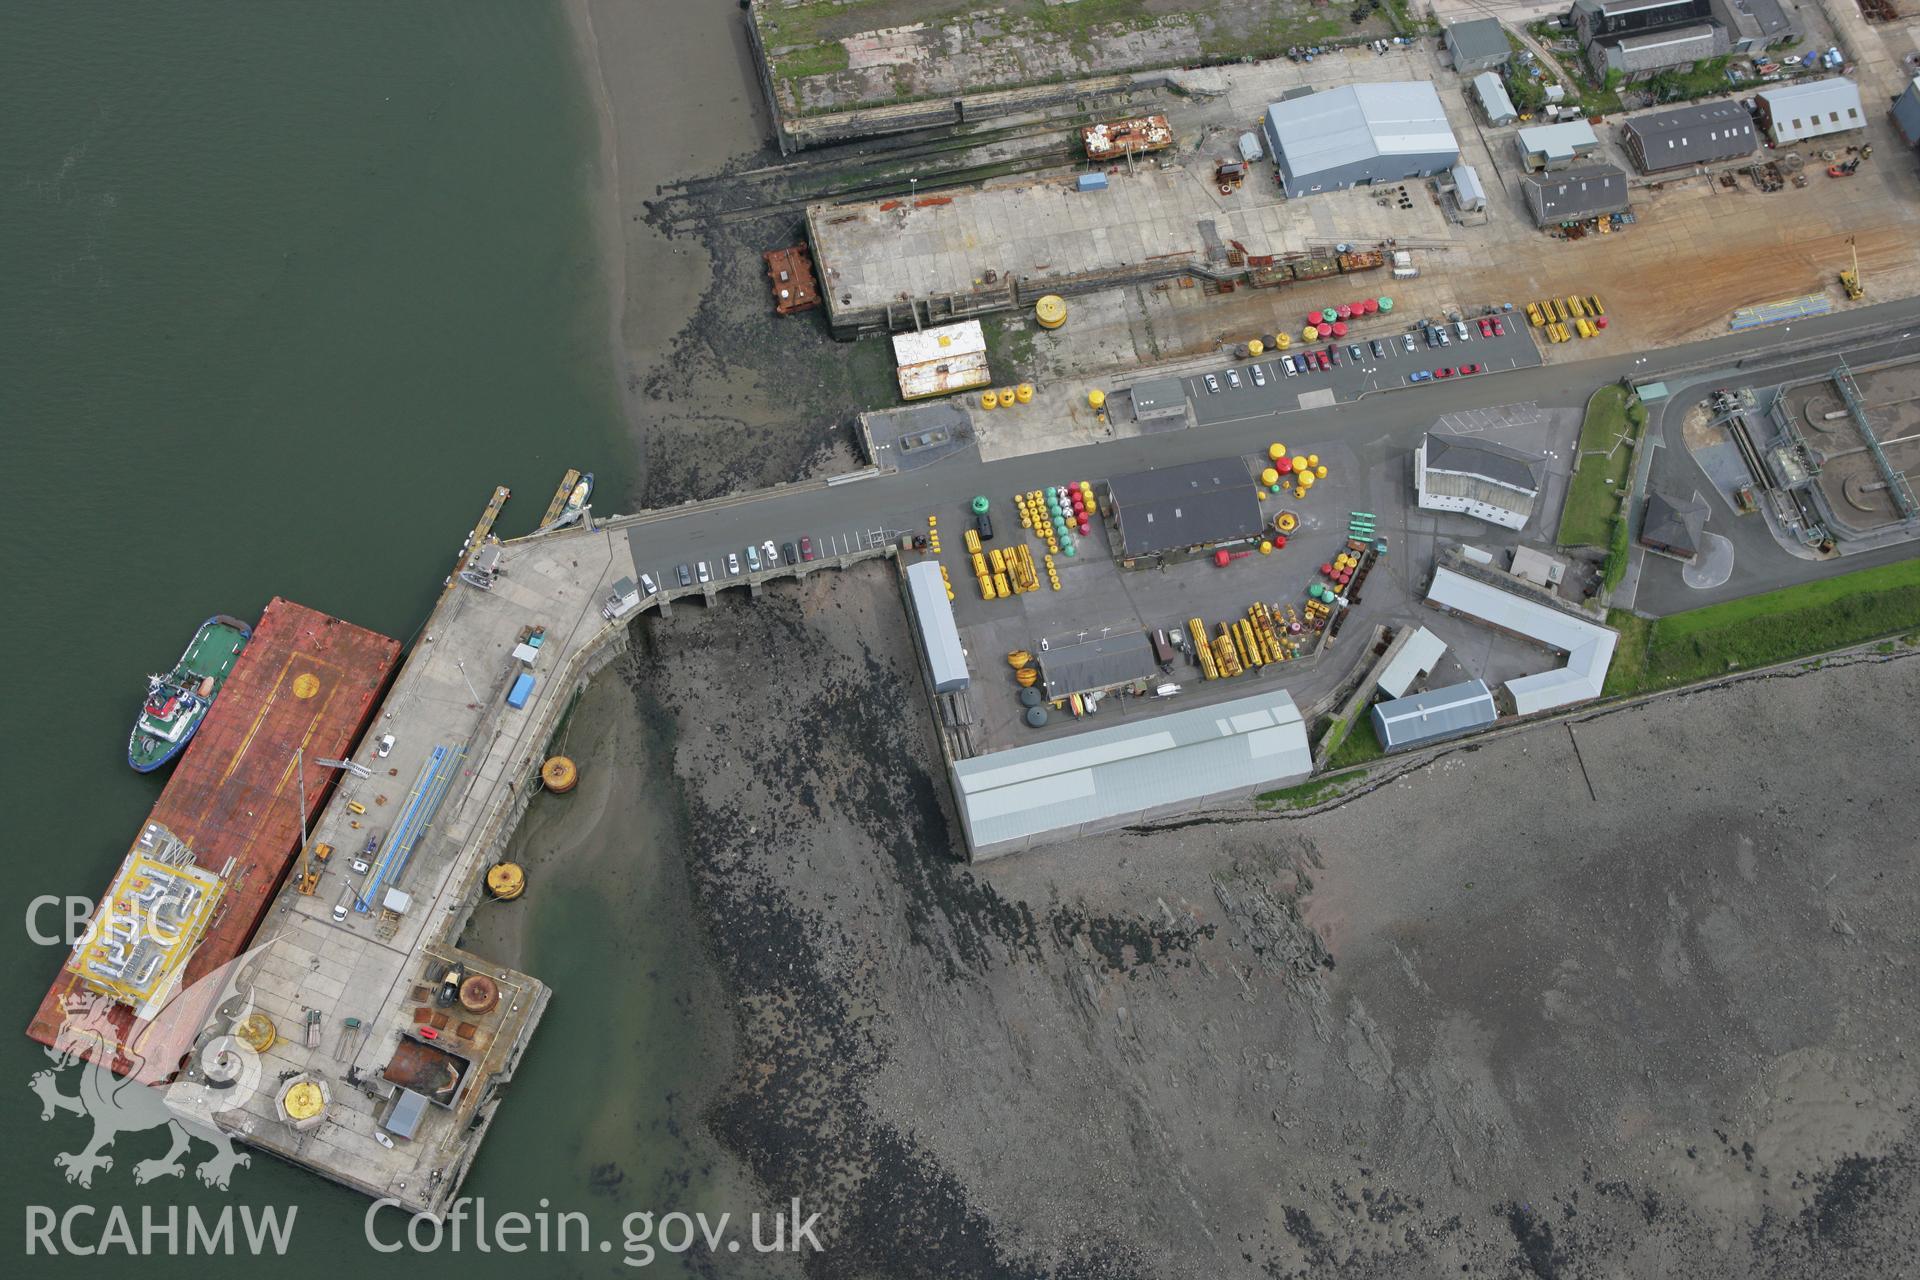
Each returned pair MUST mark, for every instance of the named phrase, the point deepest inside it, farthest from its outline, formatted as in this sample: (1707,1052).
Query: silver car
(705,574)
(753,559)
(733,564)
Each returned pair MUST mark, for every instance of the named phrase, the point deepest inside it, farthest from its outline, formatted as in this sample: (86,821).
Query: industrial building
(1415,660)
(1554,146)
(1638,39)
(933,620)
(1477,45)
(1673,526)
(1494,99)
(1479,478)
(1468,192)
(1140,768)
(1683,137)
(1434,716)
(1359,133)
(1158,399)
(1172,513)
(1574,195)
(1812,109)
(941,360)
(1906,113)
(1753,25)
(1586,646)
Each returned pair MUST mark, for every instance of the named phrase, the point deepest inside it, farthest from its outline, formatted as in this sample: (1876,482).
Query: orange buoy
(559,775)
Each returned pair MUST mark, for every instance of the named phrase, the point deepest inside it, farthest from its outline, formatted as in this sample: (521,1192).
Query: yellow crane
(1850,280)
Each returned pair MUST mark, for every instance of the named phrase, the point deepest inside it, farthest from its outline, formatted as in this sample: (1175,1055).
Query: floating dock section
(304,687)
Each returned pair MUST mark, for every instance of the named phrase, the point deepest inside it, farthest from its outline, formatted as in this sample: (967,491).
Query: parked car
(1333,356)
(1286,366)
(1259,376)
(1379,352)
(1486,327)
(1426,331)
(1499,330)
(806,548)
(733,564)
(788,554)
(1353,352)
(648,586)
(705,571)
(753,559)
(1213,384)
(1443,373)
(1320,358)
(1460,327)
(383,747)
(770,554)
(1420,375)
(1472,368)
(1442,335)
(1233,379)
(685,575)
(1409,338)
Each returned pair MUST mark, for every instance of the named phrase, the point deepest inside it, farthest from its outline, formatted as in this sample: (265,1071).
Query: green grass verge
(1307,794)
(1761,630)
(1359,746)
(1593,498)
(812,60)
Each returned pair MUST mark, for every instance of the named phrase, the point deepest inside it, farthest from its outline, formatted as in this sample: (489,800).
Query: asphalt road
(852,515)
(1352,378)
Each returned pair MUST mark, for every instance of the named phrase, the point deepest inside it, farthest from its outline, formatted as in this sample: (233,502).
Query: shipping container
(521,691)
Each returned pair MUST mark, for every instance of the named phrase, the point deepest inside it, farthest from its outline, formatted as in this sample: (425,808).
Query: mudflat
(1626,998)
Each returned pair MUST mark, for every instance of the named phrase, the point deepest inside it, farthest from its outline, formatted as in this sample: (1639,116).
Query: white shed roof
(941,343)
(1552,140)
(1134,766)
(945,657)
(1588,645)
(1321,131)
(1834,94)
(1423,649)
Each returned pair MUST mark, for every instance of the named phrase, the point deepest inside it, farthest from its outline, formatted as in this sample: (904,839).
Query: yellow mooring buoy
(506,881)
(559,774)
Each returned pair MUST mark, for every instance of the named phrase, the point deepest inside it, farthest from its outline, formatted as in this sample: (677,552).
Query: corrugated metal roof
(1484,458)
(1573,194)
(1159,395)
(938,635)
(1696,134)
(1434,715)
(1336,127)
(1478,38)
(1194,504)
(941,343)
(1467,188)
(1415,659)
(1814,100)
(1493,96)
(1588,646)
(1141,764)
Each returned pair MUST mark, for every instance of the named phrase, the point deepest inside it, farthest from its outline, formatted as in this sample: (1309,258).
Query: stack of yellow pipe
(1197,632)
(973,541)
(1223,654)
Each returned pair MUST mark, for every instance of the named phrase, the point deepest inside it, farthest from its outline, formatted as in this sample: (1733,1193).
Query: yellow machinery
(313,860)
(1850,280)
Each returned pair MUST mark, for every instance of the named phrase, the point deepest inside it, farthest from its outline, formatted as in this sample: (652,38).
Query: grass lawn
(1759,630)
(1592,498)
(1313,791)
(1358,747)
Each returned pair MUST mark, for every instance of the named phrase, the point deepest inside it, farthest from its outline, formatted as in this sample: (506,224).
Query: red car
(1471,368)
(1486,327)
(1443,373)
(1320,358)
(1499,330)
(806,548)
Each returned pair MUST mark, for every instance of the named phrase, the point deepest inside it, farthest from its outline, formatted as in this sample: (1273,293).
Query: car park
(1213,384)
(648,586)
(806,548)
(1419,375)
(733,564)
(1233,379)
(1259,376)
(685,575)
(788,554)
(1379,352)
(705,572)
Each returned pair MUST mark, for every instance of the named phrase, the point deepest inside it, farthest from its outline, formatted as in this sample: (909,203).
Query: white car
(770,554)
(753,559)
(1233,379)
(1409,341)
(1259,376)
(733,564)
(704,573)
(647,586)
(1286,365)
(383,746)
(1460,327)
(1213,384)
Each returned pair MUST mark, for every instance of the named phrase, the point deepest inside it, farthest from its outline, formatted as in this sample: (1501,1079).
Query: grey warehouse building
(1683,137)
(1139,768)
(1434,716)
(1477,45)
(1574,195)
(1358,134)
(1159,398)
(1171,513)
(939,637)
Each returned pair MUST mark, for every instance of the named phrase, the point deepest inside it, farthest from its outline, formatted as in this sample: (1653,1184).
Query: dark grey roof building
(1480,478)
(1159,398)
(1683,137)
(1478,45)
(1434,716)
(1754,24)
(1906,113)
(1573,195)
(1188,509)
(1673,525)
